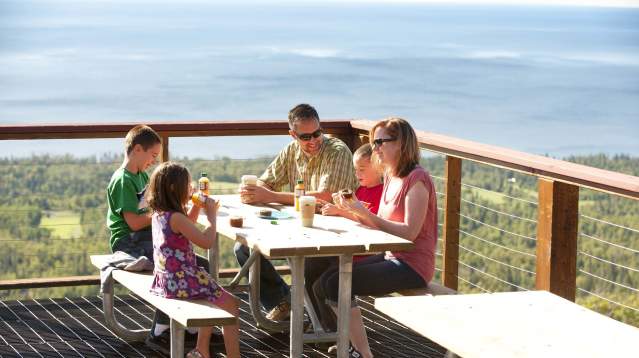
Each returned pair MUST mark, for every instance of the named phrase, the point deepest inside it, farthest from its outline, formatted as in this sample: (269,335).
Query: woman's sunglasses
(307,136)
(379,141)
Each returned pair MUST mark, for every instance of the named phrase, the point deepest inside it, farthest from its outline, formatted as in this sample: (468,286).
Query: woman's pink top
(392,207)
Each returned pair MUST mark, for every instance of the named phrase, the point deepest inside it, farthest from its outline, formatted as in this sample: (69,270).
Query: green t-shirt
(124,193)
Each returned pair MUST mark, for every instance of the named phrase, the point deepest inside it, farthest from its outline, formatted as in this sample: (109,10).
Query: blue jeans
(273,289)
(373,276)
(139,243)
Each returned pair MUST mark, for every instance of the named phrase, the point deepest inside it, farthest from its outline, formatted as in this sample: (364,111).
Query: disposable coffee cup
(249,179)
(307,210)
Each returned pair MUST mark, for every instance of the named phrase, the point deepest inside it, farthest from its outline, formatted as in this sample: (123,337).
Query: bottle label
(204,185)
(299,192)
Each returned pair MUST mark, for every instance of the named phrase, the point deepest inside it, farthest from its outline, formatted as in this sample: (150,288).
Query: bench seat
(183,313)
(433,289)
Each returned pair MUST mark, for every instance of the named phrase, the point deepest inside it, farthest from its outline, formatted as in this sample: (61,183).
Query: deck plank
(74,327)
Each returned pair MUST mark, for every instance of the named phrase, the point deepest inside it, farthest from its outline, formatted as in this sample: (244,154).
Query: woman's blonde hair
(169,188)
(408,145)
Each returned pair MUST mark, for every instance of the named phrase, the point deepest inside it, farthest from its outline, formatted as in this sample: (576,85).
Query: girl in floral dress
(174,233)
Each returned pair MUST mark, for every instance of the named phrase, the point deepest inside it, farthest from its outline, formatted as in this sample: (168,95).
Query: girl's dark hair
(169,188)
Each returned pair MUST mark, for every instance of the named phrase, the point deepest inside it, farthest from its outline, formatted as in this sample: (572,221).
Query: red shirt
(370,196)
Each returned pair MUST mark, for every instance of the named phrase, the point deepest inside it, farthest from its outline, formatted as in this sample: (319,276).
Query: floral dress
(176,272)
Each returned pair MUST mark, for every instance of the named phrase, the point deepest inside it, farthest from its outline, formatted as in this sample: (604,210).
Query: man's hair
(301,112)
(168,188)
(409,146)
(365,151)
(142,135)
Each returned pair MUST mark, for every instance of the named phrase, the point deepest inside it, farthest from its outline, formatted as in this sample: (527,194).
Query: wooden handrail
(594,178)
(170,129)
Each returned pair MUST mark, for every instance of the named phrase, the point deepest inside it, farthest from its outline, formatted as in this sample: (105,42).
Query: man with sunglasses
(325,164)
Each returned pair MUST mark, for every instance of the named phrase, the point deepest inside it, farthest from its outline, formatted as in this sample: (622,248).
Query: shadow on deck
(74,327)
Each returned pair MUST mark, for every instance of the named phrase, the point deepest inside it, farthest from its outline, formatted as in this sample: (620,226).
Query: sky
(600,3)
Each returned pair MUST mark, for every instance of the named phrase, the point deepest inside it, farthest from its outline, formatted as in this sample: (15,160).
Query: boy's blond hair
(142,135)
(365,151)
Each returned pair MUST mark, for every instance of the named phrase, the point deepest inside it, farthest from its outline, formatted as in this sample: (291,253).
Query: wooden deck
(74,327)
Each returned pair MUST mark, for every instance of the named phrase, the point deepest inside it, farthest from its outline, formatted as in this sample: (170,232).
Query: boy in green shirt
(127,215)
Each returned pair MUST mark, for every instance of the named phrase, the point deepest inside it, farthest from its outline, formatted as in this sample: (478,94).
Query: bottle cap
(300,181)
(203,174)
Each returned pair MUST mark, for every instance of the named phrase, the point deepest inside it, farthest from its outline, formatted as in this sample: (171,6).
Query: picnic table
(512,324)
(286,238)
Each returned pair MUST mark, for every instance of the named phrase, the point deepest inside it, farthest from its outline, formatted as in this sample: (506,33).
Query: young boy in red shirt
(369,193)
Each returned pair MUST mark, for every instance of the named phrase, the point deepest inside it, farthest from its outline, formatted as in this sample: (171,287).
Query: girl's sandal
(195,353)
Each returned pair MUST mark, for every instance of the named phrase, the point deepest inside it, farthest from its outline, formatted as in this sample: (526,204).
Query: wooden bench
(183,313)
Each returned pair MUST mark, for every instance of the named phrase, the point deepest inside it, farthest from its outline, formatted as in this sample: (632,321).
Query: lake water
(546,80)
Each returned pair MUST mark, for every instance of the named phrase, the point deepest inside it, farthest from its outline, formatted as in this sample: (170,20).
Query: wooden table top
(513,324)
(330,235)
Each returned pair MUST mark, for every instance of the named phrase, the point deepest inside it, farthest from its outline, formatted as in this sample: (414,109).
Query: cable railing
(483,225)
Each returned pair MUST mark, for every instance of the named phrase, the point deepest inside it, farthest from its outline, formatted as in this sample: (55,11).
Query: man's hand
(251,194)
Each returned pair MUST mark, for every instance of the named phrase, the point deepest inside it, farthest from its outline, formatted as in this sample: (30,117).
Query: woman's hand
(352,205)
(329,209)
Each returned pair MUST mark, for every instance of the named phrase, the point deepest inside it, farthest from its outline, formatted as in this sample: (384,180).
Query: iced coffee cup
(307,210)
(248,180)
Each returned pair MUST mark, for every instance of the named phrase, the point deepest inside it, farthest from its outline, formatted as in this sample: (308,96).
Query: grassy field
(63,224)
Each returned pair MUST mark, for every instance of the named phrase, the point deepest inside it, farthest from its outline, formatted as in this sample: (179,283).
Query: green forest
(52,218)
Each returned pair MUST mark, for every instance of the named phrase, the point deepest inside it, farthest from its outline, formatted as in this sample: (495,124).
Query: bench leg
(109,319)
(177,339)
(254,298)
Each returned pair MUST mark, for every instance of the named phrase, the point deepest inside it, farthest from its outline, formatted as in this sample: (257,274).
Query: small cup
(236,221)
(307,210)
(347,194)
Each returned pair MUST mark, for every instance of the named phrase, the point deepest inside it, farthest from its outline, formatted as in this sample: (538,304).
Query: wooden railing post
(450,235)
(557,223)
(165,148)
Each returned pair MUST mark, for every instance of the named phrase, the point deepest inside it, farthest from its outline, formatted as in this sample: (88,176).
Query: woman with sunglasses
(407,209)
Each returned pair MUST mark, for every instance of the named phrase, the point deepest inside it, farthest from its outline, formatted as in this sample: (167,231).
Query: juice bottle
(299,192)
(203,184)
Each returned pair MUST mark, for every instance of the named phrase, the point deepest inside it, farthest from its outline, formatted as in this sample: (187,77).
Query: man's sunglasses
(307,136)
(379,141)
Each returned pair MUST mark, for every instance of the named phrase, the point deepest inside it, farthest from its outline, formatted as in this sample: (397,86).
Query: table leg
(297,305)
(213,255)
(344,304)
